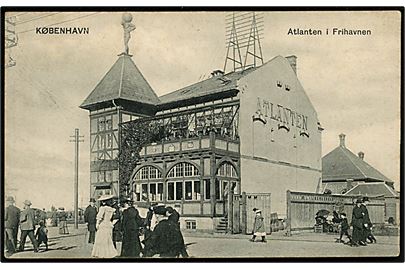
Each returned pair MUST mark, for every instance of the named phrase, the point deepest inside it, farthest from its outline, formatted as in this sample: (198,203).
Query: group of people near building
(361,224)
(113,222)
(27,222)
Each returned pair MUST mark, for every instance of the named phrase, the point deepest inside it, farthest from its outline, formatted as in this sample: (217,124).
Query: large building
(254,131)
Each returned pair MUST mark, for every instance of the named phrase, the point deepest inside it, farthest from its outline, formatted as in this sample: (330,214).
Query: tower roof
(123,81)
(342,164)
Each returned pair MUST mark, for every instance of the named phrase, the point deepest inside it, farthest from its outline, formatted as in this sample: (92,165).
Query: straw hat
(105,197)
(27,202)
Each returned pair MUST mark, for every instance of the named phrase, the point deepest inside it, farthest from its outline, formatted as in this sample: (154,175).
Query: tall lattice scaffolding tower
(244,30)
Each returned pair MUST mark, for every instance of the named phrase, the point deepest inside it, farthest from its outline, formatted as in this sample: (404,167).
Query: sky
(352,81)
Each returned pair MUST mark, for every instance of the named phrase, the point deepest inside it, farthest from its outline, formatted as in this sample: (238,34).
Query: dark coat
(131,222)
(344,223)
(11,217)
(166,240)
(357,223)
(42,234)
(174,217)
(366,217)
(90,215)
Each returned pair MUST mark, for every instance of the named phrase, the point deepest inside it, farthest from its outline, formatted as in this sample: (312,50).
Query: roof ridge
(352,161)
(122,75)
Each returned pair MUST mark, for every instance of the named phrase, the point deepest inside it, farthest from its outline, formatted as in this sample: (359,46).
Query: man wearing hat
(131,222)
(366,221)
(357,223)
(90,215)
(62,221)
(11,220)
(27,226)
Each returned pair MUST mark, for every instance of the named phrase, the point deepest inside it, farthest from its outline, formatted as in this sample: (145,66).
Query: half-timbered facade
(253,130)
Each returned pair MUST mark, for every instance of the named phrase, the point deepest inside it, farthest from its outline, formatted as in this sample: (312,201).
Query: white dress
(103,245)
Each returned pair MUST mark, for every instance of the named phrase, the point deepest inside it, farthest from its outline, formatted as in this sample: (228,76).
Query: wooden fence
(302,208)
(242,211)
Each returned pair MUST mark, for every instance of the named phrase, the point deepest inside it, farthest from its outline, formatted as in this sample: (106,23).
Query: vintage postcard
(186,134)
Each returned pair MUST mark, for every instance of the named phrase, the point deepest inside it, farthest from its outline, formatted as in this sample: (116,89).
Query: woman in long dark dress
(357,223)
(131,222)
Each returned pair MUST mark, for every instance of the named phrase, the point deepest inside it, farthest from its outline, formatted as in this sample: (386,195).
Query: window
(191,225)
(152,192)
(148,172)
(179,191)
(207,190)
(144,194)
(227,170)
(197,190)
(217,190)
(188,190)
(183,169)
(160,192)
(170,191)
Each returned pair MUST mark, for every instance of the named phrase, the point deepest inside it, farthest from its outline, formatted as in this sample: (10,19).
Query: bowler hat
(359,201)
(27,202)
(160,210)
(365,199)
(92,200)
(255,209)
(10,199)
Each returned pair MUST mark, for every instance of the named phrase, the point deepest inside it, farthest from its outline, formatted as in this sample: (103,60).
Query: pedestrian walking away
(258,226)
(11,222)
(131,223)
(90,215)
(27,226)
(174,217)
(42,235)
(103,244)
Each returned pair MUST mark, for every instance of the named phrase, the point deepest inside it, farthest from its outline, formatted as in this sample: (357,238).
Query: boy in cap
(27,225)
(344,227)
(11,220)
(258,226)
(42,234)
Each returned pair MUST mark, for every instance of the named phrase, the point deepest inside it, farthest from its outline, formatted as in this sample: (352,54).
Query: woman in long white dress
(103,245)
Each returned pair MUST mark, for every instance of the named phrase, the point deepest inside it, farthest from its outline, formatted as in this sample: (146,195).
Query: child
(369,234)
(42,235)
(258,226)
(344,227)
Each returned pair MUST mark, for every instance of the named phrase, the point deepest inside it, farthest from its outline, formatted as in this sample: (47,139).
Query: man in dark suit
(12,220)
(366,221)
(357,223)
(27,226)
(90,215)
(131,222)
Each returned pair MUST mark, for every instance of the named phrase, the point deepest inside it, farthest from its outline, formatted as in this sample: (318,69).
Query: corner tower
(123,94)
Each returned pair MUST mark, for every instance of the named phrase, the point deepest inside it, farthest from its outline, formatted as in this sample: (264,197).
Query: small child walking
(344,227)
(42,235)
(258,226)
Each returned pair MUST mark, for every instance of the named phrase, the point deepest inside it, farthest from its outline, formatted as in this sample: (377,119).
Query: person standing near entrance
(258,226)
(27,226)
(11,220)
(90,215)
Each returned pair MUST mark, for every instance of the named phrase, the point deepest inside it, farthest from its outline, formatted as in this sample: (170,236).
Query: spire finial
(128,28)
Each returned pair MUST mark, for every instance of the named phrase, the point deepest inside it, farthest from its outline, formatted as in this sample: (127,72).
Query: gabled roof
(214,85)
(342,164)
(123,81)
(372,189)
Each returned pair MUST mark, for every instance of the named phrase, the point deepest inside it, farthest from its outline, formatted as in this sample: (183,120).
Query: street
(74,245)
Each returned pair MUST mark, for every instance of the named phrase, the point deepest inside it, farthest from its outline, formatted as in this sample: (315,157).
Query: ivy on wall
(134,136)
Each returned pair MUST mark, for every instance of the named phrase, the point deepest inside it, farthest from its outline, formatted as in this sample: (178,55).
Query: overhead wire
(70,20)
(37,18)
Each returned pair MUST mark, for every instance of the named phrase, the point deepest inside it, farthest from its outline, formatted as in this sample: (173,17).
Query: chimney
(293,62)
(342,140)
(217,73)
(361,155)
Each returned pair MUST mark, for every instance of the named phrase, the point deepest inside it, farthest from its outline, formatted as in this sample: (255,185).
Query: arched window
(145,190)
(148,172)
(183,169)
(184,188)
(227,170)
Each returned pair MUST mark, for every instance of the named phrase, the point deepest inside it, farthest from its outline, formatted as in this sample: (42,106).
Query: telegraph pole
(76,140)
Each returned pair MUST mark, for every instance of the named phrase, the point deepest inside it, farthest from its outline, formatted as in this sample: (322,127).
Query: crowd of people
(113,222)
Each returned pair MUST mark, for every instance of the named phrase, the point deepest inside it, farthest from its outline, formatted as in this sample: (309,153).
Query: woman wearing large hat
(103,245)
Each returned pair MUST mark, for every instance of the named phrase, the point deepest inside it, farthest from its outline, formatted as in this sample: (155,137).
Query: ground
(74,245)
